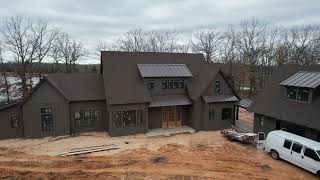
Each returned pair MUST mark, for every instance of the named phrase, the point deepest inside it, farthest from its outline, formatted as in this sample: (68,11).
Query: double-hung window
(47,119)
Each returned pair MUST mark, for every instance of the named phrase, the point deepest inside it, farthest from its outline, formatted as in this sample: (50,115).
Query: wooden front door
(171,116)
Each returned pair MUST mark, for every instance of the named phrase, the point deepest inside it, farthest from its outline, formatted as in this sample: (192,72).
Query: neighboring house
(290,101)
(135,92)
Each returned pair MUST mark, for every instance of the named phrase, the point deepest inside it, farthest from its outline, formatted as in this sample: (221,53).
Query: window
(226,113)
(303,94)
(88,118)
(175,84)
(164,84)
(98,117)
(77,119)
(211,113)
(151,84)
(287,144)
(15,123)
(296,147)
(170,84)
(311,154)
(47,119)
(181,84)
(292,92)
(127,119)
(217,87)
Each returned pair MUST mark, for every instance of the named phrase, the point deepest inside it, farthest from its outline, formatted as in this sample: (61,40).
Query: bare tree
(20,40)
(132,41)
(46,37)
(100,45)
(208,42)
(71,51)
(160,41)
(4,79)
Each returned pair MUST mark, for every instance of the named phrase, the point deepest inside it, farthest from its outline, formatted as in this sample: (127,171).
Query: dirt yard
(202,155)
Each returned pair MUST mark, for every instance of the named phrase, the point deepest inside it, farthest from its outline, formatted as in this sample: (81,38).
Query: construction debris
(87,150)
(234,135)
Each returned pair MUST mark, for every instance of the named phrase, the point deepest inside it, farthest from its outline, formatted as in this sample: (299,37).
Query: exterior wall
(157,90)
(88,105)
(127,131)
(45,96)
(196,114)
(217,123)
(268,124)
(271,124)
(225,87)
(155,119)
(6,130)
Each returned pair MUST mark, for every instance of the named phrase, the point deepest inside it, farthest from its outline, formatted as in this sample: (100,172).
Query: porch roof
(170,100)
(220,98)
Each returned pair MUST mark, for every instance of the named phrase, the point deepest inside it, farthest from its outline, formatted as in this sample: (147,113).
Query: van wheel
(275,154)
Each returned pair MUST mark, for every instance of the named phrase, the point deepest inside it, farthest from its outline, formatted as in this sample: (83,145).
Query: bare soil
(203,155)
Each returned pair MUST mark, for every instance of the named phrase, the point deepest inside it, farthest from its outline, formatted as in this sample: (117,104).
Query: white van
(298,150)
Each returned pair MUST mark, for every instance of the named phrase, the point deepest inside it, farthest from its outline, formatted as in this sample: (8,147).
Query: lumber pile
(87,150)
(234,135)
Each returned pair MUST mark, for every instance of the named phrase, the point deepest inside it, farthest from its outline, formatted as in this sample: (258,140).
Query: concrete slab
(169,131)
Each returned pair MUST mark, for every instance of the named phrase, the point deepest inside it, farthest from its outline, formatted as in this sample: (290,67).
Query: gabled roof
(7,105)
(79,86)
(74,86)
(273,102)
(164,70)
(304,79)
(123,82)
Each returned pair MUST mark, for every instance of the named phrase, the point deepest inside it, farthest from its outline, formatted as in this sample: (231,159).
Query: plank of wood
(87,151)
(92,147)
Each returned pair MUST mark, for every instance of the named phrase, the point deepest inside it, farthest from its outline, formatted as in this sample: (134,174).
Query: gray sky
(89,20)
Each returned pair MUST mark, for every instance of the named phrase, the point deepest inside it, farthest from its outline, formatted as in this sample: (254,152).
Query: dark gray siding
(6,130)
(196,114)
(217,123)
(157,90)
(45,96)
(88,105)
(268,124)
(225,87)
(127,131)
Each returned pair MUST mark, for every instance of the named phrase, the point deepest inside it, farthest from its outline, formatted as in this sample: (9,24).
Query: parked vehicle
(295,149)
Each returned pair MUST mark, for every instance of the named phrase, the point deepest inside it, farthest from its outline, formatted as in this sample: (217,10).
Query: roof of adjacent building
(123,82)
(164,70)
(273,102)
(169,100)
(220,98)
(244,103)
(307,79)
(7,105)
(78,86)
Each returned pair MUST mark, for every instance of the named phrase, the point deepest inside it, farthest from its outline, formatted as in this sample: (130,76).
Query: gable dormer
(302,86)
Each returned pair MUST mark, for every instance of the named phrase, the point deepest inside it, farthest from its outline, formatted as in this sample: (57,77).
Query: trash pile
(235,135)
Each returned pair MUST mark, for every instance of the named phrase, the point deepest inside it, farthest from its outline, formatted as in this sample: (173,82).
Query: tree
(4,84)
(100,45)
(207,42)
(20,40)
(132,41)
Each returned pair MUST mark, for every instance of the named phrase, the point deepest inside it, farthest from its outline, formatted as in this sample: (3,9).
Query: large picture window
(173,84)
(127,119)
(47,119)
(88,118)
(300,94)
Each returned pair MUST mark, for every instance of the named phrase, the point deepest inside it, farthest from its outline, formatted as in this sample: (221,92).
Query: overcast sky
(105,19)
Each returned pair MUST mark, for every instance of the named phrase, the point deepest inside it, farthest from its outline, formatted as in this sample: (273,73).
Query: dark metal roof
(303,79)
(169,100)
(220,98)
(164,70)
(6,105)
(244,103)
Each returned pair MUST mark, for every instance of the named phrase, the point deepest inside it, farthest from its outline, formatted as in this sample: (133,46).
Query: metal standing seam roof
(303,79)
(220,98)
(244,103)
(164,70)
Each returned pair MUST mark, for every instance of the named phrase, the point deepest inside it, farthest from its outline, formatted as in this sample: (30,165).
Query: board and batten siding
(6,129)
(45,96)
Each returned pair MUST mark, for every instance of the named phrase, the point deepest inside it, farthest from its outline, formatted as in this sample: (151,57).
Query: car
(295,149)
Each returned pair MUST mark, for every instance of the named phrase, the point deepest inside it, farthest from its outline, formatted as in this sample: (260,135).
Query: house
(290,101)
(135,92)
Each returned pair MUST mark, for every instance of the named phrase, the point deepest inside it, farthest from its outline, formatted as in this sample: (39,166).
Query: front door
(171,116)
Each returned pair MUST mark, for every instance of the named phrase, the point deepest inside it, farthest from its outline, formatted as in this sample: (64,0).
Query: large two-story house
(135,92)
(290,101)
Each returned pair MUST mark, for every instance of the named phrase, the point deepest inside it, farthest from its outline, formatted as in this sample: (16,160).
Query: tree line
(248,51)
